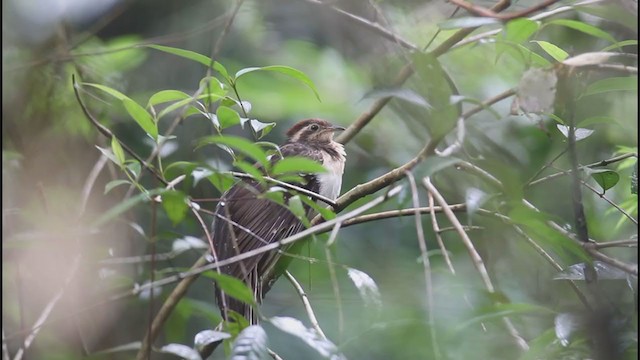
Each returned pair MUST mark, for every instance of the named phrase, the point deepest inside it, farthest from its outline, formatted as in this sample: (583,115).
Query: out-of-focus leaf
(367,288)
(296,328)
(553,50)
(114,183)
(520,30)
(591,58)
(187,54)
(117,150)
(235,324)
(297,209)
(207,337)
(467,22)
(605,178)
(621,44)
(187,243)
(213,86)
(433,164)
(436,87)
(326,213)
(474,198)
(166,96)
(405,94)
(132,346)
(634,180)
(297,164)
(250,169)
(183,351)
(175,205)
(233,287)
(565,324)
(596,120)
(286,70)
(243,145)
(628,83)
(603,270)
(536,91)
(583,27)
(251,344)
(580,133)
(124,206)
(221,181)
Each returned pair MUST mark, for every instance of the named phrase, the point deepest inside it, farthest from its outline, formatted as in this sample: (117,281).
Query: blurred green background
(52,245)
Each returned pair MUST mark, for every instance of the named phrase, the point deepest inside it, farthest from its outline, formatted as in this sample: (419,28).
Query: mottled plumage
(256,222)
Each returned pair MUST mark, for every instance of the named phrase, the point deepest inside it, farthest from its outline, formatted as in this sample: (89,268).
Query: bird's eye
(314,127)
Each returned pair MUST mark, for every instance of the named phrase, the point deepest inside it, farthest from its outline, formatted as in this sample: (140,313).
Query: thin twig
(334,278)
(306,304)
(437,231)
(484,12)
(601,195)
(475,258)
(617,243)
(426,266)
(592,165)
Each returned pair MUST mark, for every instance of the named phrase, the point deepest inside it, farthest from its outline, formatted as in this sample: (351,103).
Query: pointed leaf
(628,83)
(520,30)
(117,150)
(553,50)
(583,27)
(286,70)
(166,96)
(114,183)
(605,178)
(242,145)
(233,287)
(227,117)
(187,54)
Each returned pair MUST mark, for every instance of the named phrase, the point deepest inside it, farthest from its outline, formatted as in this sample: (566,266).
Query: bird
(245,221)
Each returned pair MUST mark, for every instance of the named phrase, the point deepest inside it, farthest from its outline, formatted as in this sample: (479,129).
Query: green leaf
(261,128)
(297,209)
(251,170)
(325,212)
(221,181)
(583,27)
(535,58)
(142,117)
(297,164)
(175,205)
(520,30)
(226,117)
(166,96)
(187,54)
(286,70)
(621,44)
(627,83)
(124,206)
(605,178)
(212,85)
(243,145)
(114,183)
(407,95)
(233,287)
(137,112)
(467,22)
(117,150)
(553,50)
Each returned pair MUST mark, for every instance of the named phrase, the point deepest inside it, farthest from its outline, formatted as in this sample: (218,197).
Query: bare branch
(306,304)
(479,10)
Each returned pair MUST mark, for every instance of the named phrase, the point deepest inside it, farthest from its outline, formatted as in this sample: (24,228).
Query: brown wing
(245,222)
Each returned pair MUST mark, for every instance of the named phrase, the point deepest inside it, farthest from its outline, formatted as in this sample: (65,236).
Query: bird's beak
(337,128)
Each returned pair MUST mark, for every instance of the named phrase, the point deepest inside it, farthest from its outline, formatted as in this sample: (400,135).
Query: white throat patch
(331,181)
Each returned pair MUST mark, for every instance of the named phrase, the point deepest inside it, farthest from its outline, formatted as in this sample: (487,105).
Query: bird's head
(312,130)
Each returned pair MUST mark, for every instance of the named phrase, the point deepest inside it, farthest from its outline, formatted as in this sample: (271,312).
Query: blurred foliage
(81,221)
